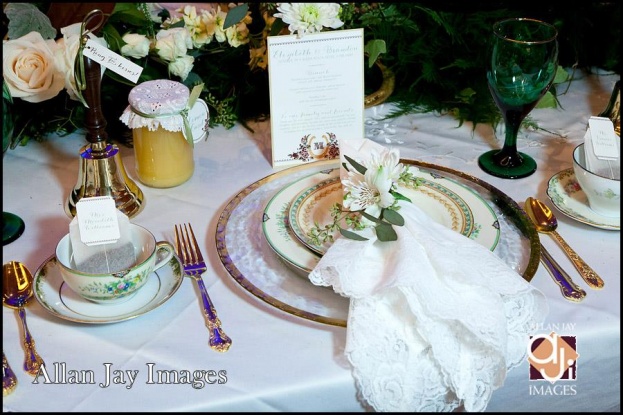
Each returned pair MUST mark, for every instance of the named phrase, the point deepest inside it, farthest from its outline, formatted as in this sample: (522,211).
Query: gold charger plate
(249,259)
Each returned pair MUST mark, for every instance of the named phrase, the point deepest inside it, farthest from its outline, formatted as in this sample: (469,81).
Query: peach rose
(29,68)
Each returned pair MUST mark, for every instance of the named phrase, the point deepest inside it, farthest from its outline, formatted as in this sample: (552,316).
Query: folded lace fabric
(435,321)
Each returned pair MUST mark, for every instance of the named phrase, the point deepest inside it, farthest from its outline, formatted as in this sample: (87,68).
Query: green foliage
(438,52)
(25,18)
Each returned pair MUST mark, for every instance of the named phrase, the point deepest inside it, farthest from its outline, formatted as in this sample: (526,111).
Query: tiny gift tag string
(79,72)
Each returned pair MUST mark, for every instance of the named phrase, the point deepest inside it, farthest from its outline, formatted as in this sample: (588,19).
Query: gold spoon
(545,222)
(16,291)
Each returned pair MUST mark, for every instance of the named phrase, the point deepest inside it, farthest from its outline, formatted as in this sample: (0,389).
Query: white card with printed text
(97,220)
(603,138)
(316,86)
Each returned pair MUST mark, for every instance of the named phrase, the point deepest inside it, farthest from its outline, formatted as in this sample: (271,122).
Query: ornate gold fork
(189,253)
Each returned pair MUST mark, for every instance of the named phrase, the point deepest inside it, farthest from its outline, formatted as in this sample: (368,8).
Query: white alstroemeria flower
(137,46)
(305,18)
(219,22)
(387,159)
(369,192)
(237,35)
(196,25)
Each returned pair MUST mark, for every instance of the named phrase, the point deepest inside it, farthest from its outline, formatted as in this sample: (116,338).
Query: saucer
(57,298)
(566,194)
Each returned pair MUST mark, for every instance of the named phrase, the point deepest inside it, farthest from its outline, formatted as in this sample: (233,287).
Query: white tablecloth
(280,362)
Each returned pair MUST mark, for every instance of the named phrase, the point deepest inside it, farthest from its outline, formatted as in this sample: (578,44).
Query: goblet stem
(508,163)
(508,156)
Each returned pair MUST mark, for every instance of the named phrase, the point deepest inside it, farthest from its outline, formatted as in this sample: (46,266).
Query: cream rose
(65,55)
(173,43)
(29,69)
(137,46)
(182,66)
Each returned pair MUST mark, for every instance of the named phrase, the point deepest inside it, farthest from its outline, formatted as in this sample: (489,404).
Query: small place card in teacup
(602,148)
(100,237)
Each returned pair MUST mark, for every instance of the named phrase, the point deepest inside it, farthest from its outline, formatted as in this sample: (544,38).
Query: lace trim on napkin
(435,319)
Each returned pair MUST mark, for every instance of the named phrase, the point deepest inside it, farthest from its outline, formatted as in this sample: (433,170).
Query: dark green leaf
(393,217)
(361,169)
(181,23)
(26,17)
(235,15)
(385,232)
(277,26)
(370,217)
(352,235)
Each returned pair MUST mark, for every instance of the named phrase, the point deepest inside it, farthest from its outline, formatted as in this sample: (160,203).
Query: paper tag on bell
(97,220)
(199,120)
(603,138)
(113,61)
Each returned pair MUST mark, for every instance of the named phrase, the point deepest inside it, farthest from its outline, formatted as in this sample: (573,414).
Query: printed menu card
(316,94)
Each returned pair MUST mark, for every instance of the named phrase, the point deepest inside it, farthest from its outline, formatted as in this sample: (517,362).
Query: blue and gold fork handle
(219,341)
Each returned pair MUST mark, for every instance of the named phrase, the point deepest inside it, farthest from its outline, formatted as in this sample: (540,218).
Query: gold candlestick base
(102,174)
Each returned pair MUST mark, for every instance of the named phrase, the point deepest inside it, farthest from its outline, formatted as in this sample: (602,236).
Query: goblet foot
(507,165)
(12,227)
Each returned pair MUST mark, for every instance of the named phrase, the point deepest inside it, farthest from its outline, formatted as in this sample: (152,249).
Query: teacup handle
(164,253)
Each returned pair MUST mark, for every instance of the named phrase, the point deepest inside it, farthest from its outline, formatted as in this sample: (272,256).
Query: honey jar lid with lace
(167,104)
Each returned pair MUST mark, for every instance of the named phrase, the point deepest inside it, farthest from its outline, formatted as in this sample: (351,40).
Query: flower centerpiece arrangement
(438,54)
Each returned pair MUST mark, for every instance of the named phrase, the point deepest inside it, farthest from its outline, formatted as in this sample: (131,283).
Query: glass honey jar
(164,131)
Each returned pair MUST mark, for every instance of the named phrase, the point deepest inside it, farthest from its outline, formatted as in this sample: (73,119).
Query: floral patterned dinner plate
(60,300)
(443,200)
(289,215)
(566,194)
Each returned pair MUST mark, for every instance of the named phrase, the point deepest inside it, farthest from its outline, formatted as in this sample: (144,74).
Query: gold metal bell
(102,174)
(101,168)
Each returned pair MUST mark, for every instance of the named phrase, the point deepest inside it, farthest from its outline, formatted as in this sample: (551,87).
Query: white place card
(113,61)
(316,94)
(97,220)
(603,138)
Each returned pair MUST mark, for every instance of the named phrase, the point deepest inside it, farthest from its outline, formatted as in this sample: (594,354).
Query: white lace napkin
(435,319)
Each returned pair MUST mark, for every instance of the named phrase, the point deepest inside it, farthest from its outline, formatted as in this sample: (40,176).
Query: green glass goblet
(523,64)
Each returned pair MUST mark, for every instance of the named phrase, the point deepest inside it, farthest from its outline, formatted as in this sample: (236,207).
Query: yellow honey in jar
(164,120)
(163,158)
